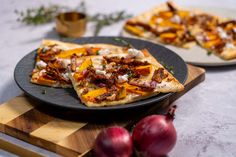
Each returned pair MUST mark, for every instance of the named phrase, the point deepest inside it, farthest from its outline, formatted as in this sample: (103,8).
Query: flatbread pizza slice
(165,23)
(53,58)
(219,40)
(122,78)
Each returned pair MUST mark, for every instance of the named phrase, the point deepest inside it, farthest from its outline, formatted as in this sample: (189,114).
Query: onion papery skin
(155,135)
(113,142)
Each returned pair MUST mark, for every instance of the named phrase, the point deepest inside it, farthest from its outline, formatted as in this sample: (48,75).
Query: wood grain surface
(68,133)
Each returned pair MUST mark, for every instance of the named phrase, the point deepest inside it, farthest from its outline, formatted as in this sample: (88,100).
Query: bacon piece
(159,75)
(90,51)
(53,73)
(223,24)
(73,63)
(111,95)
(171,7)
(145,85)
(127,60)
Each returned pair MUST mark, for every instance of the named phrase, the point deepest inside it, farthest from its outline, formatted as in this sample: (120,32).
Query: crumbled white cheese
(175,19)
(65,63)
(159,20)
(42,72)
(229,46)
(104,52)
(199,37)
(66,76)
(222,33)
(97,62)
(123,78)
(100,72)
(41,64)
(135,53)
(46,48)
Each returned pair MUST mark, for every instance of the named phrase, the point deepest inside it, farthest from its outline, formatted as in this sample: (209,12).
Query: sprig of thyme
(102,20)
(40,15)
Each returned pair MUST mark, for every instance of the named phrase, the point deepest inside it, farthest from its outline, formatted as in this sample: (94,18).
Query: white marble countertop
(205,119)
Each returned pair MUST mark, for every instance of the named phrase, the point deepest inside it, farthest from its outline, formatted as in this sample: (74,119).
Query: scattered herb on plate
(169,68)
(124,42)
(44,91)
(209,53)
(102,20)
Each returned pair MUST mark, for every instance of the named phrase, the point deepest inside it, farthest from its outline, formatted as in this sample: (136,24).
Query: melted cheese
(104,52)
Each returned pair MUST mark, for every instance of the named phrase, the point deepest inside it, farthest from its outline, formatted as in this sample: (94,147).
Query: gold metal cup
(71,24)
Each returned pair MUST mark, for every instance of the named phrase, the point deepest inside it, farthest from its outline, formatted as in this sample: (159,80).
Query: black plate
(67,98)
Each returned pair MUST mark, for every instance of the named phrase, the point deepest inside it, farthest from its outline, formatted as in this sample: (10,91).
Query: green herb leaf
(39,15)
(102,20)
(167,67)
(209,53)
(44,91)
(124,42)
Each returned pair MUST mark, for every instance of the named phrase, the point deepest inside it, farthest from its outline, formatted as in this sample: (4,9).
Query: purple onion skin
(113,142)
(154,136)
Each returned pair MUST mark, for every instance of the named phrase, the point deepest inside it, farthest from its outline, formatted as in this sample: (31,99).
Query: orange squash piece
(212,43)
(132,89)
(91,95)
(69,53)
(166,14)
(134,30)
(168,37)
(143,70)
(86,63)
(122,93)
(43,80)
(145,52)
(78,76)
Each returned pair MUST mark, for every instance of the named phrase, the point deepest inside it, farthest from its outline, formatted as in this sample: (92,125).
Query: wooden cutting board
(65,132)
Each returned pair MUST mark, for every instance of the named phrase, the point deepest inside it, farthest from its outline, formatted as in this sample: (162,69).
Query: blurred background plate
(197,55)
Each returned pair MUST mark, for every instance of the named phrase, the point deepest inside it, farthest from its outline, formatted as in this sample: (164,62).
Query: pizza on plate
(171,24)
(53,58)
(121,78)
(102,74)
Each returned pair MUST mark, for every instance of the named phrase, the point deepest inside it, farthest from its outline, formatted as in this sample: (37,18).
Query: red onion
(155,135)
(153,84)
(113,142)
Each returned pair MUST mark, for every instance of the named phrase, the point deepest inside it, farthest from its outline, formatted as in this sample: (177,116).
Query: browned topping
(48,54)
(224,24)
(53,73)
(219,47)
(127,61)
(109,96)
(145,86)
(171,7)
(89,51)
(159,75)
(204,20)
(73,62)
